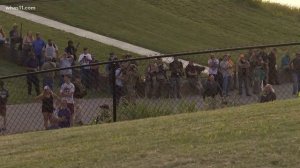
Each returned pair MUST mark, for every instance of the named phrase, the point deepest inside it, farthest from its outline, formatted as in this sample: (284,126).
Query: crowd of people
(256,70)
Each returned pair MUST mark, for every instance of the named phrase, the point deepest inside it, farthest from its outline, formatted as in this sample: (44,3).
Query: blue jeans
(296,82)
(225,85)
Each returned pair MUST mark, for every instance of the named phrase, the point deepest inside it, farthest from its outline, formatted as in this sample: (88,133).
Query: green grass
(262,135)
(170,26)
(101,51)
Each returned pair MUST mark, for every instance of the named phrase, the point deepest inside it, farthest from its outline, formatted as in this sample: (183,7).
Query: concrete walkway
(86,34)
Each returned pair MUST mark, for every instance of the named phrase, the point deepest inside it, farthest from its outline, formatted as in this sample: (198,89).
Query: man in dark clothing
(264,56)
(161,77)
(192,77)
(273,78)
(14,39)
(295,67)
(176,69)
(71,49)
(243,73)
(32,66)
(109,69)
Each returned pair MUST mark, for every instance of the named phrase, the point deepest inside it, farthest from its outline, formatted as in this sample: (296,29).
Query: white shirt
(214,68)
(68,88)
(50,51)
(88,56)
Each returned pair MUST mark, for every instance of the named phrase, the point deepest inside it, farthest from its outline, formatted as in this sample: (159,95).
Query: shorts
(3,110)
(71,108)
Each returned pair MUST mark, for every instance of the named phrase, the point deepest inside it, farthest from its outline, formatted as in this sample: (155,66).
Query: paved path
(28,117)
(86,34)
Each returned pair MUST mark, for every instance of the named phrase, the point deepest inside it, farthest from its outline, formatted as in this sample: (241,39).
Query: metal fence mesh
(142,88)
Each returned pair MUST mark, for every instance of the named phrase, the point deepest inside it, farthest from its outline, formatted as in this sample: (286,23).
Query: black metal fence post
(114,66)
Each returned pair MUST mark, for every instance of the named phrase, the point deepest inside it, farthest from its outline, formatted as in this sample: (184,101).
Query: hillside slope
(170,26)
(264,135)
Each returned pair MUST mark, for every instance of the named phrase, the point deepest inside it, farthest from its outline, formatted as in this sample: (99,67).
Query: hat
(47,88)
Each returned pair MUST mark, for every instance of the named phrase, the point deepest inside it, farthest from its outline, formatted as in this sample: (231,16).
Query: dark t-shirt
(272,59)
(32,63)
(296,64)
(176,69)
(67,115)
(3,96)
(191,69)
(72,51)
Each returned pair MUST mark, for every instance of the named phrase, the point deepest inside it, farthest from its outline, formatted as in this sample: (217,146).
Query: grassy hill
(170,26)
(101,51)
(264,135)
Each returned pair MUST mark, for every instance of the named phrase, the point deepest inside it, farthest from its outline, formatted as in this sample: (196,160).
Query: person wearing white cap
(47,98)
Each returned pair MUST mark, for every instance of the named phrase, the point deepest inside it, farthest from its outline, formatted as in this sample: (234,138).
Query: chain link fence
(59,93)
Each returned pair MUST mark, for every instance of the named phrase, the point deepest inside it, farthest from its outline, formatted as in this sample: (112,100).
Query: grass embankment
(17,86)
(171,26)
(264,135)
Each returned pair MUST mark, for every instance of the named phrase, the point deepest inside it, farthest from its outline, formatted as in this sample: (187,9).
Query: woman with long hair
(47,98)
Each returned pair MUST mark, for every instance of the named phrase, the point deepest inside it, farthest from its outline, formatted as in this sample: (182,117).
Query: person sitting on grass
(211,88)
(62,118)
(47,98)
(3,101)
(268,94)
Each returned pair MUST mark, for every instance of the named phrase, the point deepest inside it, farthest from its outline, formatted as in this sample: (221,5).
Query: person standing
(48,77)
(50,50)
(151,83)
(161,77)
(273,77)
(47,98)
(95,75)
(27,46)
(109,69)
(225,67)
(32,79)
(213,65)
(71,49)
(67,92)
(79,93)
(4,94)
(14,40)
(132,77)
(119,90)
(84,59)
(38,45)
(66,61)
(192,77)
(243,72)
(295,67)
(285,62)
(176,68)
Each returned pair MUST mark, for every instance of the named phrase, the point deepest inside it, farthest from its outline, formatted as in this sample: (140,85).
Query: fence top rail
(158,56)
